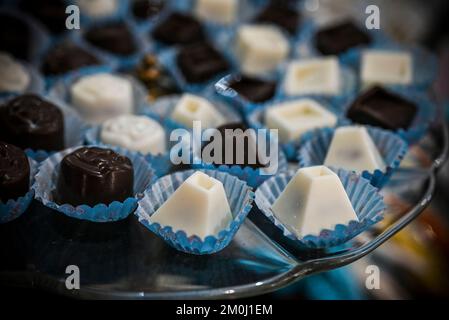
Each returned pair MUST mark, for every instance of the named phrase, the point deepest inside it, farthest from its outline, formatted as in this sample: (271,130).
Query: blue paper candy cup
(14,208)
(368,204)
(239,196)
(47,177)
(391,147)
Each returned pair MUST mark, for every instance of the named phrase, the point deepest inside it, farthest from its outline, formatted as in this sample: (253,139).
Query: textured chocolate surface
(28,121)
(179,28)
(66,57)
(51,13)
(94,175)
(200,62)
(14,36)
(382,108)
(340,38)
(143,9)
(253,89)
(113,37)
(280,14)
(249,149)
(14,172)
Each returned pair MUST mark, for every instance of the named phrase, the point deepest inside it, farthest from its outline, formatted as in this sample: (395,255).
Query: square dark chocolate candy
(114,37)
(382,108)
(337,39)
(253,89)
(200,62)
(280,14)
(179,28)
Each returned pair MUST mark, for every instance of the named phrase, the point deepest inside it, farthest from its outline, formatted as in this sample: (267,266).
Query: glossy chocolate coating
(14,172)
(143,9)
(381,108)
(253,89)
(179,28)
(14,36)
(280,14)
(340,38)
(67,57)
(51,13)
(28,121)
(114,37)
(249,146)
(200,62)
(94,175)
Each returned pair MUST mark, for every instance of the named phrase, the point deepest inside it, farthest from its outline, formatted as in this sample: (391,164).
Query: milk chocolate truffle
(179,28)
(114,37)
(382,108)
(245,157)
(28,121)
(14,172)
(15,36)
(280,14)
(94,175)
(339,38)
(144,9)
(200,62)
(67,57)
(51,13)
(254,89)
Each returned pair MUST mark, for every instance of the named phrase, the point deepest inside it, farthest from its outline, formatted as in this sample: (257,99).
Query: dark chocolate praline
(382,108)
(200,62)
(253,89)
(15,36)
(179,28)
(248,156)
(51,13)
(67,57)
(339,38)
(92,175)
(28,121)
(14,172)
(280,14)
(114,37)
(144,9)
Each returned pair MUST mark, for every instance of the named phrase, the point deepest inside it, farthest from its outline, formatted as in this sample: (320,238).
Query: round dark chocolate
(28,121)
(232,131)
(253,89)
(144,9)
(15,36)
(67,57)
(179,28)
(114,37)
(14,172)
(92,175)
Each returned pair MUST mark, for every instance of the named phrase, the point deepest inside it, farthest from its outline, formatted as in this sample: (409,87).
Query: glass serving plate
(125,260)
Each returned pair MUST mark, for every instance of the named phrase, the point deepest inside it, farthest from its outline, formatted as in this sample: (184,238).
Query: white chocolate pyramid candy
(353,149)
(313,200)
(102,96)
(13,76)
(135,133)
(386,67)
(219,11)
(98,8)
(260,48)
(294,118)
(199,207)
(195,108)
(313,76)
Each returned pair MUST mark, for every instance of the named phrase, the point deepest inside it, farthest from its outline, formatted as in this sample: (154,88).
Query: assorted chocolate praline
(14,172)
(382,108)
(28,121)
(340,38)
(92,175)
(201,62)
(179,28)
(253,89)
(114,37)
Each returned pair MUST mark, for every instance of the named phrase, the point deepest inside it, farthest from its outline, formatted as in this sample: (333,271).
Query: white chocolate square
(199,207)
(195,108)
(353,149)
(294,118)
(219,11)
(98,8)
(135,133)
(102,96)
(13,76)
(260,48)
(386,67)
(313,76)
(313,200)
